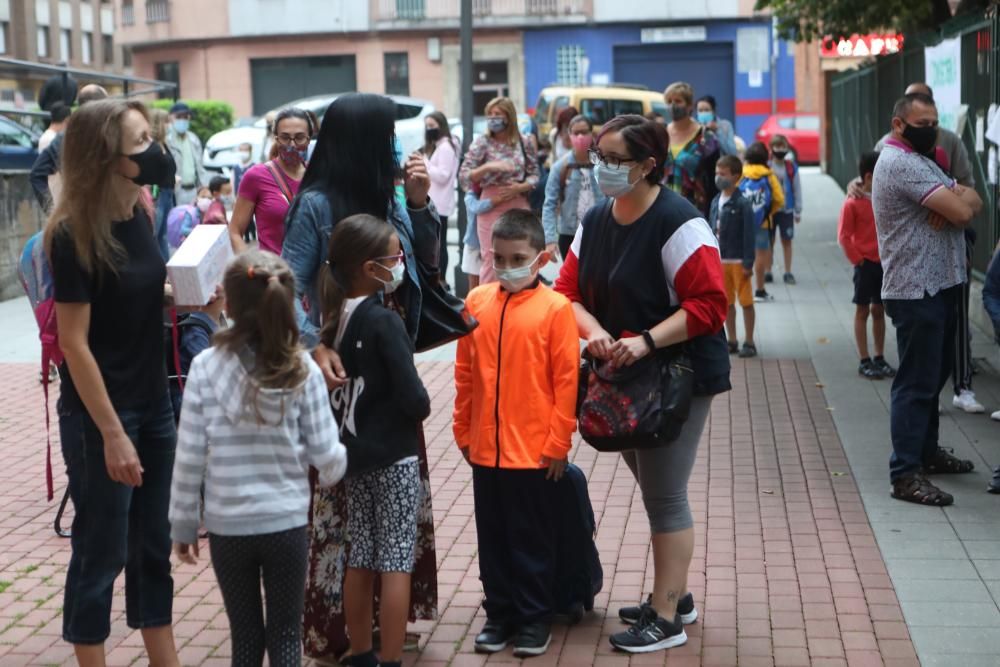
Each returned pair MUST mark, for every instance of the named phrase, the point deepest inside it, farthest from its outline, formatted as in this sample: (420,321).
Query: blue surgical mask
(515,280)
(613,181)
(182,125)
(705,117)
(496,124)
(397,273)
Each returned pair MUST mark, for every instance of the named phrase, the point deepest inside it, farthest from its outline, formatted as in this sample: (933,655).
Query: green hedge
(207,116)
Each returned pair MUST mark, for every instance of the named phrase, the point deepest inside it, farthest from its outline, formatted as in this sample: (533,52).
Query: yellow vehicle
(599,103)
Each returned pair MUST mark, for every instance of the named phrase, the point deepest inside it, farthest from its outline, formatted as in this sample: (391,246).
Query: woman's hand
(417,183)
(599,344)
(627,351)
(333,368)
(186,553)
(121,459)
(500,166)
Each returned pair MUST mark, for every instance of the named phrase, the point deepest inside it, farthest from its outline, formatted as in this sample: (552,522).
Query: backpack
(579,577)
(35,274)
(180,221)
(758,193)
(173,333)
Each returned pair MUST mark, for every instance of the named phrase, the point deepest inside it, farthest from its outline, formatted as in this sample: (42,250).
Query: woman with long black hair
(354,170)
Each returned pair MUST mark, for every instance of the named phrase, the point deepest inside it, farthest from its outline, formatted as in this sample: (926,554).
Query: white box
(198,266)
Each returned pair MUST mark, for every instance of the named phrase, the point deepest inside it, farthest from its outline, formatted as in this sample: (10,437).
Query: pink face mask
(581,142)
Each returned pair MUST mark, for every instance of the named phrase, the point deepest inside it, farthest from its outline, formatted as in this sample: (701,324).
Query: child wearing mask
(214,212)
(516,379)
(785,167)
(380,410)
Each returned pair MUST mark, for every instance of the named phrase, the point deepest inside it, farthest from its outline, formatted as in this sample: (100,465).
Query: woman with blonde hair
(162,193)
(694,150)
(115,418)
(505,165)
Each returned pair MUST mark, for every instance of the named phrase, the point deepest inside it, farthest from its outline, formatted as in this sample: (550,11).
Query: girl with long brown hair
(255,417)
(505,165)
(115,418)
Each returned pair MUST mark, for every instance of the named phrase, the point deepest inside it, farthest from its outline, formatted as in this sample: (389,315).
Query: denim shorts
(118,527)
(762,239)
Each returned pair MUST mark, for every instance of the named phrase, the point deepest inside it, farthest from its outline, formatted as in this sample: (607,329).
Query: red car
(802,131)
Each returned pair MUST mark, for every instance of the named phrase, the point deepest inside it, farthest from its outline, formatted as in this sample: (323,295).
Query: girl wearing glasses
(266,190)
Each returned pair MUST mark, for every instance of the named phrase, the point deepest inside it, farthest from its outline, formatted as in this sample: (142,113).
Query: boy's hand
(798,218)
(748,273)
(556,468)
(186,553)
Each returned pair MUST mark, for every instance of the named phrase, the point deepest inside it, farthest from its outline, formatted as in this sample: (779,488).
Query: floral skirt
(325,628)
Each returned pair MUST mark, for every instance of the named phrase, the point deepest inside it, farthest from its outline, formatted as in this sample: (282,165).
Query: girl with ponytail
(380,410)
(255,417)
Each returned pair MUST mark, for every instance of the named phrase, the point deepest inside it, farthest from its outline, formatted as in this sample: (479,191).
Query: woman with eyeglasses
(267,190)
(644,274)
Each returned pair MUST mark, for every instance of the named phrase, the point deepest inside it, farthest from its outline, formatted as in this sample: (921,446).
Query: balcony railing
(157,11)
(128,13)
(449,10)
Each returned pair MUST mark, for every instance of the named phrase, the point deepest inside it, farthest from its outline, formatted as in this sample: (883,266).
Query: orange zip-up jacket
(516,378)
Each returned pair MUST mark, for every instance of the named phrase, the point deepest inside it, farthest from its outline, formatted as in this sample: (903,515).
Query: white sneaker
(995,416)
(966,401)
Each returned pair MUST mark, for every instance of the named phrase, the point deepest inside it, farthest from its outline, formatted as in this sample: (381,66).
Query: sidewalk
(801,556)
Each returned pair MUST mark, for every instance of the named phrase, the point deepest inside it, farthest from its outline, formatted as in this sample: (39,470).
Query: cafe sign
(861,46)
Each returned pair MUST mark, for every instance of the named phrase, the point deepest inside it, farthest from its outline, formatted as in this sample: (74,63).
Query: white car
(222,149)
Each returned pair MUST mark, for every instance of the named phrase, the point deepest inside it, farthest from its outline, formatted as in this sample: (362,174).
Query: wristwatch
(648,337)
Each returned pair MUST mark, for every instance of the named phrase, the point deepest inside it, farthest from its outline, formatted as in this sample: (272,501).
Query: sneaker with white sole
(966,402)
(685,609)
(650,633)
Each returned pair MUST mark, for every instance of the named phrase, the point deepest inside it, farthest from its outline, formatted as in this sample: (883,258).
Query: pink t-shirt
(270,205)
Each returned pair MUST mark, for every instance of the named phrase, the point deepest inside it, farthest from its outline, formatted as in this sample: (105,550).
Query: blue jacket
(991,293)
(565,221)
(473,207)
(307,237)
(735,227)
(792,187)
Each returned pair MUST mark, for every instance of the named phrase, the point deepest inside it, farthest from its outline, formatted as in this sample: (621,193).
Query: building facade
(80,33)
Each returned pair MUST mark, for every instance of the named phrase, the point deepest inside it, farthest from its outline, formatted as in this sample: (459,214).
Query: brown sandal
(917,489)
(944,462)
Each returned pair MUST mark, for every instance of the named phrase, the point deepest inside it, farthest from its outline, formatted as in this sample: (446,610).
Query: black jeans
(925,336)
(515,523)
(279,559)
(116,526)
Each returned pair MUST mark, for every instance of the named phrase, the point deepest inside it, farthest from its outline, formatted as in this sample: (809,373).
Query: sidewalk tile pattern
(786,570)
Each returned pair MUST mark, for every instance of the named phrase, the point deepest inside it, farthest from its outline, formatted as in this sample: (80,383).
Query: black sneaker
(883,367)
(868,369)
(749,350)
(768,277)
(533,639)
(685,609)
(789,279)
(494,637)
(650,633)
(762,295)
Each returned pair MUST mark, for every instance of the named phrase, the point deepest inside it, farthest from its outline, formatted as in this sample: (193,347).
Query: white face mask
(398,272)
(515,280)
(203,203)
(244,156)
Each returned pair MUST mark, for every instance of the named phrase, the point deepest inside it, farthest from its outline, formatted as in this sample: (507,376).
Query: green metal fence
(861,104)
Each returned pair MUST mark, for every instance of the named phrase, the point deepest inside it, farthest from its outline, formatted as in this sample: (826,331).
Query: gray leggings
(663,473)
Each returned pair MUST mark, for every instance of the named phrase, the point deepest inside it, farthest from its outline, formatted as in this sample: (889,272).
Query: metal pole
(465,85)
(775,45)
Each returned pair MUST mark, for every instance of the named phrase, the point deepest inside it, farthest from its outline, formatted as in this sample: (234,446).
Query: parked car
(599,103)
(221,150)
(18,145)
(802,131)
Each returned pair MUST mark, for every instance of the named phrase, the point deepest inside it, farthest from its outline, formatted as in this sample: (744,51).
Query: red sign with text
(861,46)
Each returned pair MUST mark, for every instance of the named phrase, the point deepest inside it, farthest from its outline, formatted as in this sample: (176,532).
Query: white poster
(943,73)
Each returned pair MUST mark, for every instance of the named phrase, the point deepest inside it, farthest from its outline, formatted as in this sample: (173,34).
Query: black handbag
(443,316)
(642,406)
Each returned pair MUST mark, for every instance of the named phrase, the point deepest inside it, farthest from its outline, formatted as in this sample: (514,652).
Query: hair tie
(273,279)
(250,272)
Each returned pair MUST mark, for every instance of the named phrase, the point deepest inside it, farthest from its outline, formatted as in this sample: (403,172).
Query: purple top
(270,205)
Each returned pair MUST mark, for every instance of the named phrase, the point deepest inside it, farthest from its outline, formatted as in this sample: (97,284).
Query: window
(87,48)
(410,9)
(786,123)
(569,65)
(128,12)
(12,135)
(542,107)
(3,36)
(43,41)
(169,72)
(397,74)
(66,45)
(126,56)
(601,111)
(157,11)
(108,48)
(808,123)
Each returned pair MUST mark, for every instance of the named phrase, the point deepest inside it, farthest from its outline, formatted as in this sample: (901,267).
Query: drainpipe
(775,46)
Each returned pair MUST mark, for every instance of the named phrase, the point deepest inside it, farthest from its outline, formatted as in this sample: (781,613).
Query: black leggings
(279,559)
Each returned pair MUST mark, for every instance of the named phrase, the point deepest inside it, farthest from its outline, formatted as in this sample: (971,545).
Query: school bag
(579,575)
(35,274)
(758,192)
(180,221)
(174,330)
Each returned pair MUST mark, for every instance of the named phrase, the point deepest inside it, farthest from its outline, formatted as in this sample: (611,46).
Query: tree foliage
(809,20)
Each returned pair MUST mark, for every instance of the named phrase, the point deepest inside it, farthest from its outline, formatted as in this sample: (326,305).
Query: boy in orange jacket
(515,412)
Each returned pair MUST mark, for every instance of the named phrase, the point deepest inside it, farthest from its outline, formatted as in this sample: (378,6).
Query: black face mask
(156,166)
(921,138)
(780,154)
(432,134)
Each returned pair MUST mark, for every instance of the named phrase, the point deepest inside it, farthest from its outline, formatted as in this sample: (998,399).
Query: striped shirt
(252,455)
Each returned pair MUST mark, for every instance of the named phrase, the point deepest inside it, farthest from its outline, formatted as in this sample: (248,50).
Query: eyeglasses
(300,139)
(597,157)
